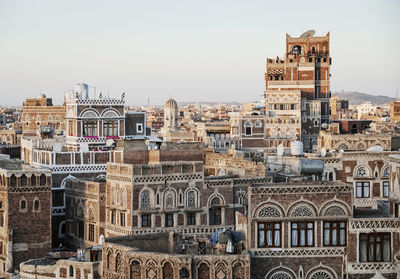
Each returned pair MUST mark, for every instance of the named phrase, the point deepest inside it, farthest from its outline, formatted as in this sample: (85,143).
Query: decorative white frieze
(381,224)
(293,252)
(371,268)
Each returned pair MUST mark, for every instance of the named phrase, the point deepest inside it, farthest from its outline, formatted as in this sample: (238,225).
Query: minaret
(171,115)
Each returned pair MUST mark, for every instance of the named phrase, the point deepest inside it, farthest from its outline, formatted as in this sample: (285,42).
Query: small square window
(248,131)
(139,127)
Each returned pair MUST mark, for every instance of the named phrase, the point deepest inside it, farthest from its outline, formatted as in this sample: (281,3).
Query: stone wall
(226,164)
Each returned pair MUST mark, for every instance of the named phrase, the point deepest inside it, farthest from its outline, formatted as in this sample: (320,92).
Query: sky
(192,51)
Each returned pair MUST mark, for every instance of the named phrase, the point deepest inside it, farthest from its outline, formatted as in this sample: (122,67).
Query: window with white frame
(139,127)
(362,189)
(385,189)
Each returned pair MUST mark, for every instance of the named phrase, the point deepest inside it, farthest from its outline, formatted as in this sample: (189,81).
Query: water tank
(83,90)
(296,148)
(311,166)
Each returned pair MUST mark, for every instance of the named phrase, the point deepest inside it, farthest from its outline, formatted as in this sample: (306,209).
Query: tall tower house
(297,91)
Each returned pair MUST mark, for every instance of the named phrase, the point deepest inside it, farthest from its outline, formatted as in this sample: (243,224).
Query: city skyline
(210,52)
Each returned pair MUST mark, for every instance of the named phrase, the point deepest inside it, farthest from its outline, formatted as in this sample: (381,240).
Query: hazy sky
(191,50)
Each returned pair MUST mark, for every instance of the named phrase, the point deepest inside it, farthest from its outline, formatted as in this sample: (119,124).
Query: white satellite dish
(109,142)
(323,151)
(279,151)
(308,33)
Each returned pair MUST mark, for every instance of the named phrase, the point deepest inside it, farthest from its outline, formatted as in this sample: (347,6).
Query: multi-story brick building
(395,111)
(339,108)
(299,230)
(25,213)
(170,196)
(40,112)
(332,139)
(297,90)
(96,128)
(169,256)
(247,131)
(85,214)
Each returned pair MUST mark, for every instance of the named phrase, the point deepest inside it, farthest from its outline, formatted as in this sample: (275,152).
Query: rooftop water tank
(83,90)
(311,166)
(296,148)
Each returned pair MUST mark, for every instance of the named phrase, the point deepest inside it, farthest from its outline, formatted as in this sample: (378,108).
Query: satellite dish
(309,33)
(323,151)
(109,142)
(279,151)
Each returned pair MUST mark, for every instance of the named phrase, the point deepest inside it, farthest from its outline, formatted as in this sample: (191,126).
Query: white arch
(185,195)
(89,113)
(337,202)
(172,191)
(266,203)
(281,268)
(302,202)
(64,181)
(321,267)
(216,195)
(110,113)
(366,167)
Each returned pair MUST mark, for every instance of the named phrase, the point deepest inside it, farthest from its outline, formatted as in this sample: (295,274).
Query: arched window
(36,205)
(216,201)
(361,171)
(24,180)
(145,199)
(214,212)
(183,273)
(123,198)
(386,172)
(136,272)
(13,180)
(33,180)
(168,271)
(80,211)
(321,275)
(203,271)
(118,263)
(113,195)
(296,49)
(71,271)
(191,198)
(108,260)
(91,214)
(43,180)
(313,50)
(169,200)
(22,204)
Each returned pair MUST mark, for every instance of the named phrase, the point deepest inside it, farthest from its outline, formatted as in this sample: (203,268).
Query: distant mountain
(357,98)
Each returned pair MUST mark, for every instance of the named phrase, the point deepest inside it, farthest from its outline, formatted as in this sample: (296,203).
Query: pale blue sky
(191,50)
